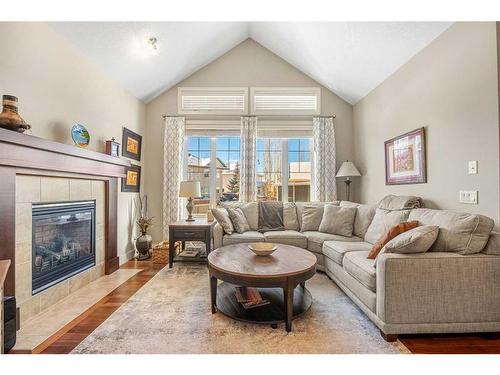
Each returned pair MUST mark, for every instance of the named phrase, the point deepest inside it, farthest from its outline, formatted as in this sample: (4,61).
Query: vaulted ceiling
(349,58)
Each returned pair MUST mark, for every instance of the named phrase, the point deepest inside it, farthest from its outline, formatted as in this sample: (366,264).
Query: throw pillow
(392,233)
(222,217)
(364,217)
(417,240)
(270,216)
(338,220)
(250,210)
(311,218)
(382,222)
(239,220)
(290,218)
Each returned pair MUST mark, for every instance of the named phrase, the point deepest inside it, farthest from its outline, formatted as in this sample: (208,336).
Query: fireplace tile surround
(35,189)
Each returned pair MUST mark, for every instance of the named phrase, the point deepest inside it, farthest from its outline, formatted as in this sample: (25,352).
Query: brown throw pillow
(392,233)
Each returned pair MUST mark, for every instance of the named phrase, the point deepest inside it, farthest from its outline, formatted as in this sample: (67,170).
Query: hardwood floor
(76,331)
(451,344)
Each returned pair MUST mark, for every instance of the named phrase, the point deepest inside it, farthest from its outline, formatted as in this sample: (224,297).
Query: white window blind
(213,100)
(285,101)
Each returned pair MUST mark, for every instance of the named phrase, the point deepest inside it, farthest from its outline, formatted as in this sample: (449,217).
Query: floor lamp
(348,169)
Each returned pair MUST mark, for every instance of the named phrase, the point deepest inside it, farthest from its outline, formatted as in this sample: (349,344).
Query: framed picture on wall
(405,159)
(131,183)
(131,144)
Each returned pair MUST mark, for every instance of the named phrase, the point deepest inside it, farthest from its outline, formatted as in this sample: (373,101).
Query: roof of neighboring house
(194,161)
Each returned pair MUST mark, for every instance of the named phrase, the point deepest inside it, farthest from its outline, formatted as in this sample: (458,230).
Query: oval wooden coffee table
(277,274)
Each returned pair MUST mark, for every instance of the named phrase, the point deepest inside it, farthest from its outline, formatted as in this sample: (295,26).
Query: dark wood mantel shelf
(27,151)
(27,154)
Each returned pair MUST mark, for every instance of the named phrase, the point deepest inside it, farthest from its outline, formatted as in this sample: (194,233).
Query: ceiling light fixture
(153,44)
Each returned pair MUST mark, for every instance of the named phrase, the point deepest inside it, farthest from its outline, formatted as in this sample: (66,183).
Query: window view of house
(227,169)
(228,178)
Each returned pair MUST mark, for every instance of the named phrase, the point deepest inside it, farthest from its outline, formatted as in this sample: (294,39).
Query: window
(215,162)
(299,170)
(198,169)
(285,100)
(213,100)
(269,167)
(228,168)
(284,169)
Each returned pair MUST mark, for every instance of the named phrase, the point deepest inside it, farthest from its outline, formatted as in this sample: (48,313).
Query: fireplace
(63,242)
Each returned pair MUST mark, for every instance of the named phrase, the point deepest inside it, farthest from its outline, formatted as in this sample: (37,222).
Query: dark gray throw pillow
(270,216)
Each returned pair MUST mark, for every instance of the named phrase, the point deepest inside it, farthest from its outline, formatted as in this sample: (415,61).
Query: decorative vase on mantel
(143,245)
(9,118)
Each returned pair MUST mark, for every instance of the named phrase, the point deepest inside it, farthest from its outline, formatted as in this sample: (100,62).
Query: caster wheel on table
(274,326)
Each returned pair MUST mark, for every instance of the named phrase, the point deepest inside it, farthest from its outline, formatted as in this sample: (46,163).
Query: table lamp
(348,169)
(190,190)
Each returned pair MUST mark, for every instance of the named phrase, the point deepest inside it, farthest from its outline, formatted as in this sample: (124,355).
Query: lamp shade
(190,189)
(348,169)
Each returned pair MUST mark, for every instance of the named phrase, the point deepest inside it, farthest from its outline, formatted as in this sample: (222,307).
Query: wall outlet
(468,196)
(473,167)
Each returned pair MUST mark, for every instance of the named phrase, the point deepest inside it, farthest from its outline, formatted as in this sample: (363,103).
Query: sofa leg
(388,337)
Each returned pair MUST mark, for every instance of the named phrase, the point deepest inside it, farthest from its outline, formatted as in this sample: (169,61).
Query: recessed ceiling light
(153,45)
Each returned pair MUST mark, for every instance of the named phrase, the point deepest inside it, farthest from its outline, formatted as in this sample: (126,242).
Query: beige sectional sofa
(453,287)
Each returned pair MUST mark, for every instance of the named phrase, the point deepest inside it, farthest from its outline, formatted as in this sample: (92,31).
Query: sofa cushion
(250,236)
(239,220)
(287,237)
(311,218)
(338,220)
(392,233)
(290,219)
(300,208)
(416,240)
(462,233)
(315,240)
(250,210)
(335,250)
(222,217)
(383,221)
(358,266)
(364,216)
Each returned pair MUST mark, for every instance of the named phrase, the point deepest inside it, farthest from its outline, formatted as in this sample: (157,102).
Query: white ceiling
(350,58)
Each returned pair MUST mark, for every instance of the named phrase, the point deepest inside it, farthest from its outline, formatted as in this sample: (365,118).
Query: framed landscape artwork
(405,159)
(132,182)
(131,144)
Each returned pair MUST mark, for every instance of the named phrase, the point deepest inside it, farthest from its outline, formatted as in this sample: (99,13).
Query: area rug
(171,314)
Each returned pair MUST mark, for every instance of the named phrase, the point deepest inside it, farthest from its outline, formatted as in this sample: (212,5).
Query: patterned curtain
(173,151)
(247,172)
(324,159)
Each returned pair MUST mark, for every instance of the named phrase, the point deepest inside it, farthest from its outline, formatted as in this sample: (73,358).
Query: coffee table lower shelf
(272,314)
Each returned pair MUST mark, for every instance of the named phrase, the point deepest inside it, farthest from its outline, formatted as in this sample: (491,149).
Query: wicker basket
(160,252)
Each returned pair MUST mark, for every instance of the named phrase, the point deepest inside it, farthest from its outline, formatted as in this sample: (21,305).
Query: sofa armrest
(438,287)
(218,235)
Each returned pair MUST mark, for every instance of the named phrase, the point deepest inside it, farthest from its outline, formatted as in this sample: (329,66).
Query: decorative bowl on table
(262,248)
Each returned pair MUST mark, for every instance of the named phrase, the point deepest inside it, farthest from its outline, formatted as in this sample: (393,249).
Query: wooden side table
(199,230)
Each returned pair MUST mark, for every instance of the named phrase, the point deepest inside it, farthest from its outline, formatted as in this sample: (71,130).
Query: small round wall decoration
(80,135)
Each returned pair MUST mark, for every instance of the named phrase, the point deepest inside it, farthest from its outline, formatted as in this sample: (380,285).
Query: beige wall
(450,87)
(248,64)
(57,87)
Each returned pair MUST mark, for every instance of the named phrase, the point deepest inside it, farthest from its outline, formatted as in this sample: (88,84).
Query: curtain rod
(164,116)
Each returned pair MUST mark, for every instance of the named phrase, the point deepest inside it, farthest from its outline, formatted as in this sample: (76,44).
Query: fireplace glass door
(63,241)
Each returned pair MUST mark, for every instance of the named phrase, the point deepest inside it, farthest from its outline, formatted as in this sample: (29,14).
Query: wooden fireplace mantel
(26,154)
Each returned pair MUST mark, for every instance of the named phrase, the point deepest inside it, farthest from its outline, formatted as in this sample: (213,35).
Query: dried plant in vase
(144,241)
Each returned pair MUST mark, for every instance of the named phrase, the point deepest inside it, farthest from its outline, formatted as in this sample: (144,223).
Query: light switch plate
(468,196)
(473,167)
